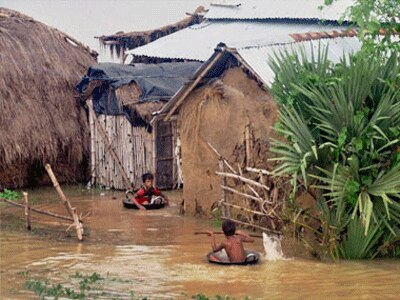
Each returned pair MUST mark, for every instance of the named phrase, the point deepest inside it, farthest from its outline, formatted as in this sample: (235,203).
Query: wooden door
(164,155)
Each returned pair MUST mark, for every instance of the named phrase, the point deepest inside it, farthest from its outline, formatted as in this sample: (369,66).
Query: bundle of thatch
(40,120)
(131,40)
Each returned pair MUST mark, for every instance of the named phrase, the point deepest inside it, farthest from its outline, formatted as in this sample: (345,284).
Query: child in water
(145,194)
(233,244)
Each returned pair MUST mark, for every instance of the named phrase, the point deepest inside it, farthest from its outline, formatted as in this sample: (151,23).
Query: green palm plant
(342,137)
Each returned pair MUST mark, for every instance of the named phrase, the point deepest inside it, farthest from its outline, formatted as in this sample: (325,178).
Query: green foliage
(44,289)
(377,22)
(356,244)
(217,220)
(9,195)
(343,139)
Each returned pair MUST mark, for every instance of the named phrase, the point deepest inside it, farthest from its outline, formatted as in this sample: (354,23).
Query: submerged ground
(156,254)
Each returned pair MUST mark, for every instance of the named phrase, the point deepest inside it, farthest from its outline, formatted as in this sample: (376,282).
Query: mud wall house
(41,120)
(251,26)
(228,104)
(124,98)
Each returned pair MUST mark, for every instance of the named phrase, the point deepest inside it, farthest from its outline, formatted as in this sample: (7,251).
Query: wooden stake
(78,225)
(106,141)
(27,212)
(67,204)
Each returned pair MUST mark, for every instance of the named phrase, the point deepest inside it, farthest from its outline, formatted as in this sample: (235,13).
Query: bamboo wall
(133,146)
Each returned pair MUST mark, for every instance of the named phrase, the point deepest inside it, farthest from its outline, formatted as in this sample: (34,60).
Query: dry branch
(43,212)
(263,171)
(229,189)
(244,209)
(243,179)
(252,225)
(219,232)
(221,157)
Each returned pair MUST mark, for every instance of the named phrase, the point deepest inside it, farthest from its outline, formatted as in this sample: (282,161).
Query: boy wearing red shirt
(146,192)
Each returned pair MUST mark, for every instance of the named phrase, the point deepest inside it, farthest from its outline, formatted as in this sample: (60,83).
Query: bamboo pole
(249,160)
(107,142)
(244,209)
(219,232)
(43,212)
(27,212)
(255,170)
(252,225)
(225,210)
(221,157)
(243,179)
(67,204)
(93,163)
(229,189)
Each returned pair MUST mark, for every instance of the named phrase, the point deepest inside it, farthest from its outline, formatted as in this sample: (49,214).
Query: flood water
(156,254)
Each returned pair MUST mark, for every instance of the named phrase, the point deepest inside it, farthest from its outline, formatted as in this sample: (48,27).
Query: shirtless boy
(233,244)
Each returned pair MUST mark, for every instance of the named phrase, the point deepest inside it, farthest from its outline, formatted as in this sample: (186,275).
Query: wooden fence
(132,145)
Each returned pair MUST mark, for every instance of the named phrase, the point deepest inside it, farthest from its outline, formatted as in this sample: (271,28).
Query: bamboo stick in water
(67,204)
(27,211)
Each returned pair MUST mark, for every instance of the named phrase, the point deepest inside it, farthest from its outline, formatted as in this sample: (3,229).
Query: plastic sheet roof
(199,41)
(257,57)
(277,9)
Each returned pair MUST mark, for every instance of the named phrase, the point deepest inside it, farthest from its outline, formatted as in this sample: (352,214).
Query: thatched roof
(131,40)
(41,120)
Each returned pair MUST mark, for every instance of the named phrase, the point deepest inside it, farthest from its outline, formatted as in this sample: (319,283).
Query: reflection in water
(156,254)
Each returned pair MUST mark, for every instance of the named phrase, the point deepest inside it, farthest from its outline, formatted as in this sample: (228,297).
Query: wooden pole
(221,157)
(252,225)
(106,141)
(249,145)
(225,209)
(229,189)
(43,212)
(264,172)
(219,232)
(93,162)
(67,204)
(245,209)
(27,212)
(244,179)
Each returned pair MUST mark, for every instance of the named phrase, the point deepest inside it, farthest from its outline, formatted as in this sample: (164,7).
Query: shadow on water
(156,254)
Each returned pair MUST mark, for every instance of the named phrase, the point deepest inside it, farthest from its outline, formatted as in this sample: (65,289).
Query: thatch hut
(228,105)
(124,144)
(40,121)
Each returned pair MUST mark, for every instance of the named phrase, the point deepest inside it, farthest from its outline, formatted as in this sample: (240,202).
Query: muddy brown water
(155,254)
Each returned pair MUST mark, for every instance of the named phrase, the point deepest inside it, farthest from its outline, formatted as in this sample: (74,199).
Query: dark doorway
(164,155)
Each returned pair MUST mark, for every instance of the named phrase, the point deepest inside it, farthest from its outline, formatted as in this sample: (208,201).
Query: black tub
(129,204)
(220,258)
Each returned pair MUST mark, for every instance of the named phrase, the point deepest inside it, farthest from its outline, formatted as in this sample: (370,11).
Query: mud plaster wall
(218,113)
